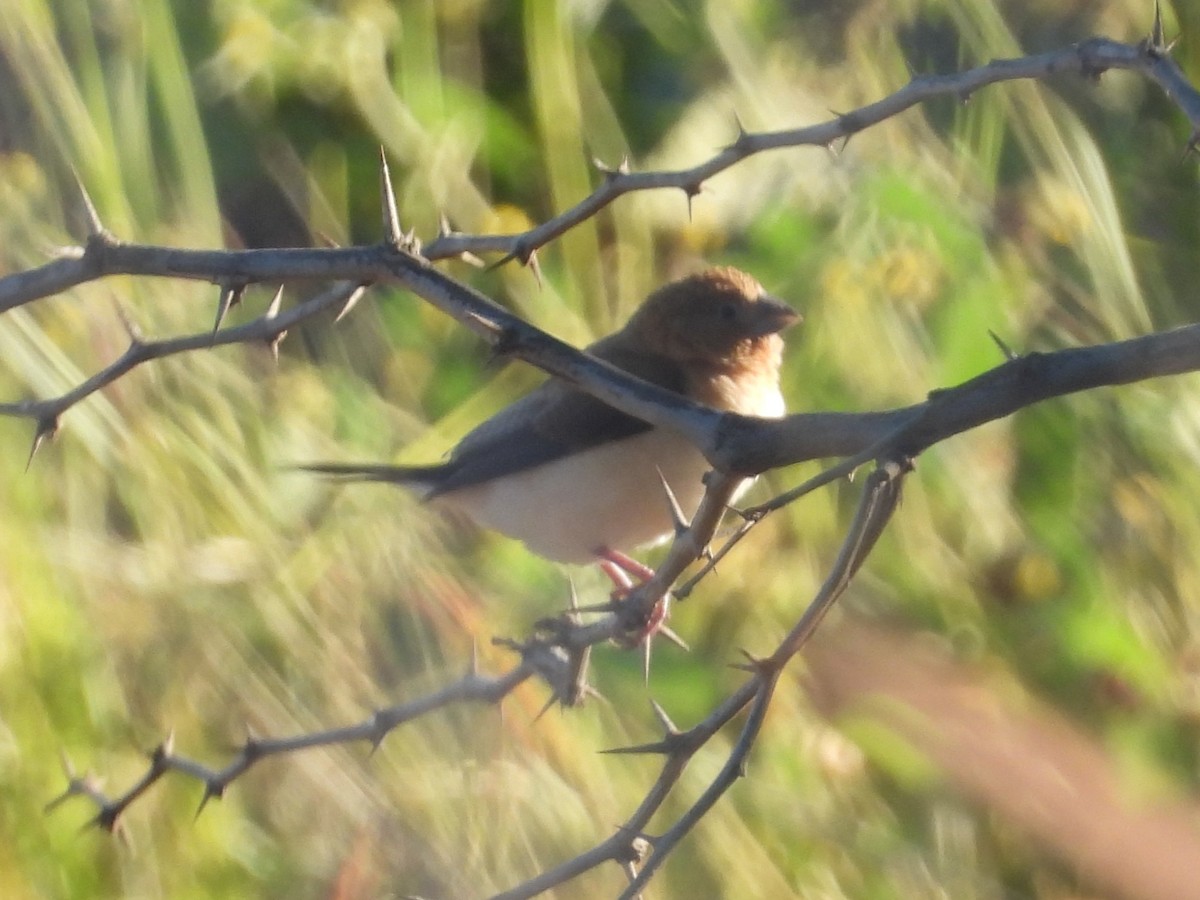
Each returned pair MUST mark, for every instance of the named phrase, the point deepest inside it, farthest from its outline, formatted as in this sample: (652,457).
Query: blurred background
(1029,624)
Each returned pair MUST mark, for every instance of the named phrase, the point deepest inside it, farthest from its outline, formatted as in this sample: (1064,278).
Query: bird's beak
(772,315)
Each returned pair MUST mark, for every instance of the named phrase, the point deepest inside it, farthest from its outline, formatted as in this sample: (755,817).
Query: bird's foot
(622,570)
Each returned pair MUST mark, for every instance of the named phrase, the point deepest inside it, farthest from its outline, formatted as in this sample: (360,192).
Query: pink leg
(621,581)
(614,561)
(619,567)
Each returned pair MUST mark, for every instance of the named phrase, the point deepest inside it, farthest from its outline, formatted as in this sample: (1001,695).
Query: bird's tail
(421,478)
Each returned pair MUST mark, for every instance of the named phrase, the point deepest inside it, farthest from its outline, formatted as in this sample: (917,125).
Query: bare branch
(750,448)
(880,495)
(269,329)
(470,688)
(1089,58)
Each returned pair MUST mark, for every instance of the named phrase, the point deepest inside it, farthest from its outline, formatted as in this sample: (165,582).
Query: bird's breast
(607,497)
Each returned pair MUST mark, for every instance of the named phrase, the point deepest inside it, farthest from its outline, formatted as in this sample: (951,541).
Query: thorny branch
(537,658)
(557,652)
(391,263)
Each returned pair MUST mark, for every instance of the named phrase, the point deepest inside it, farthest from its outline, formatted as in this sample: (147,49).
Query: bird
(579,481)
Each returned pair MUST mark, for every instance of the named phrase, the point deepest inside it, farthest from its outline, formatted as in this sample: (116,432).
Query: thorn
(68,767)
(1008,352)
(1157,37)
(410,243)
(849,125)
(273,345)
(546,708)
(211,792)
(607,606)
(274,305)
(392,233)
(647,649)
(503,340)
(107,819)
(504,260)
(130,326)
(444,229)
(473,666)
(678,521)
(164,749)
(55,802)
(350,302)
(271,313)
(671,635)
(631,873)
(508,643)
(94,226)
(609,172)
(691,191)
(378,733)
(86,784)
(662,748)
(47,427)
(587,692)
(535,267)
(663,719)
(225,303)
(743,142)
(521,251)
(755,665)
(743,513)
(65,252)
(1191,146)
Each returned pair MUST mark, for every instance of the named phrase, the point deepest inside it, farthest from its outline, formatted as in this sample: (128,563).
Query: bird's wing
(553,421)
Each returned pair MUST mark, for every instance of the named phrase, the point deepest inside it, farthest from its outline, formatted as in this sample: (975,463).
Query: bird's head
(720,317)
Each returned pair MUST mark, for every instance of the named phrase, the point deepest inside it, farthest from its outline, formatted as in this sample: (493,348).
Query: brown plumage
(577,480)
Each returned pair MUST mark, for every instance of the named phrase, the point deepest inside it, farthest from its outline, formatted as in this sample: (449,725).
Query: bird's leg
(619,567)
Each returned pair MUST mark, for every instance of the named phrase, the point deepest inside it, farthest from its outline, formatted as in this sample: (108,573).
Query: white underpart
(610,496)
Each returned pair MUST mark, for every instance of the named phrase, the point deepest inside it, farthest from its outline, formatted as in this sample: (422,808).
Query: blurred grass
(158,570)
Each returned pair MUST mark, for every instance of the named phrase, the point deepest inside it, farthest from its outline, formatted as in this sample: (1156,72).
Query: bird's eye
(728,312)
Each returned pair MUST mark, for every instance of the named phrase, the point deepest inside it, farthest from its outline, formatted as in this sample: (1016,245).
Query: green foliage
(160,569)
